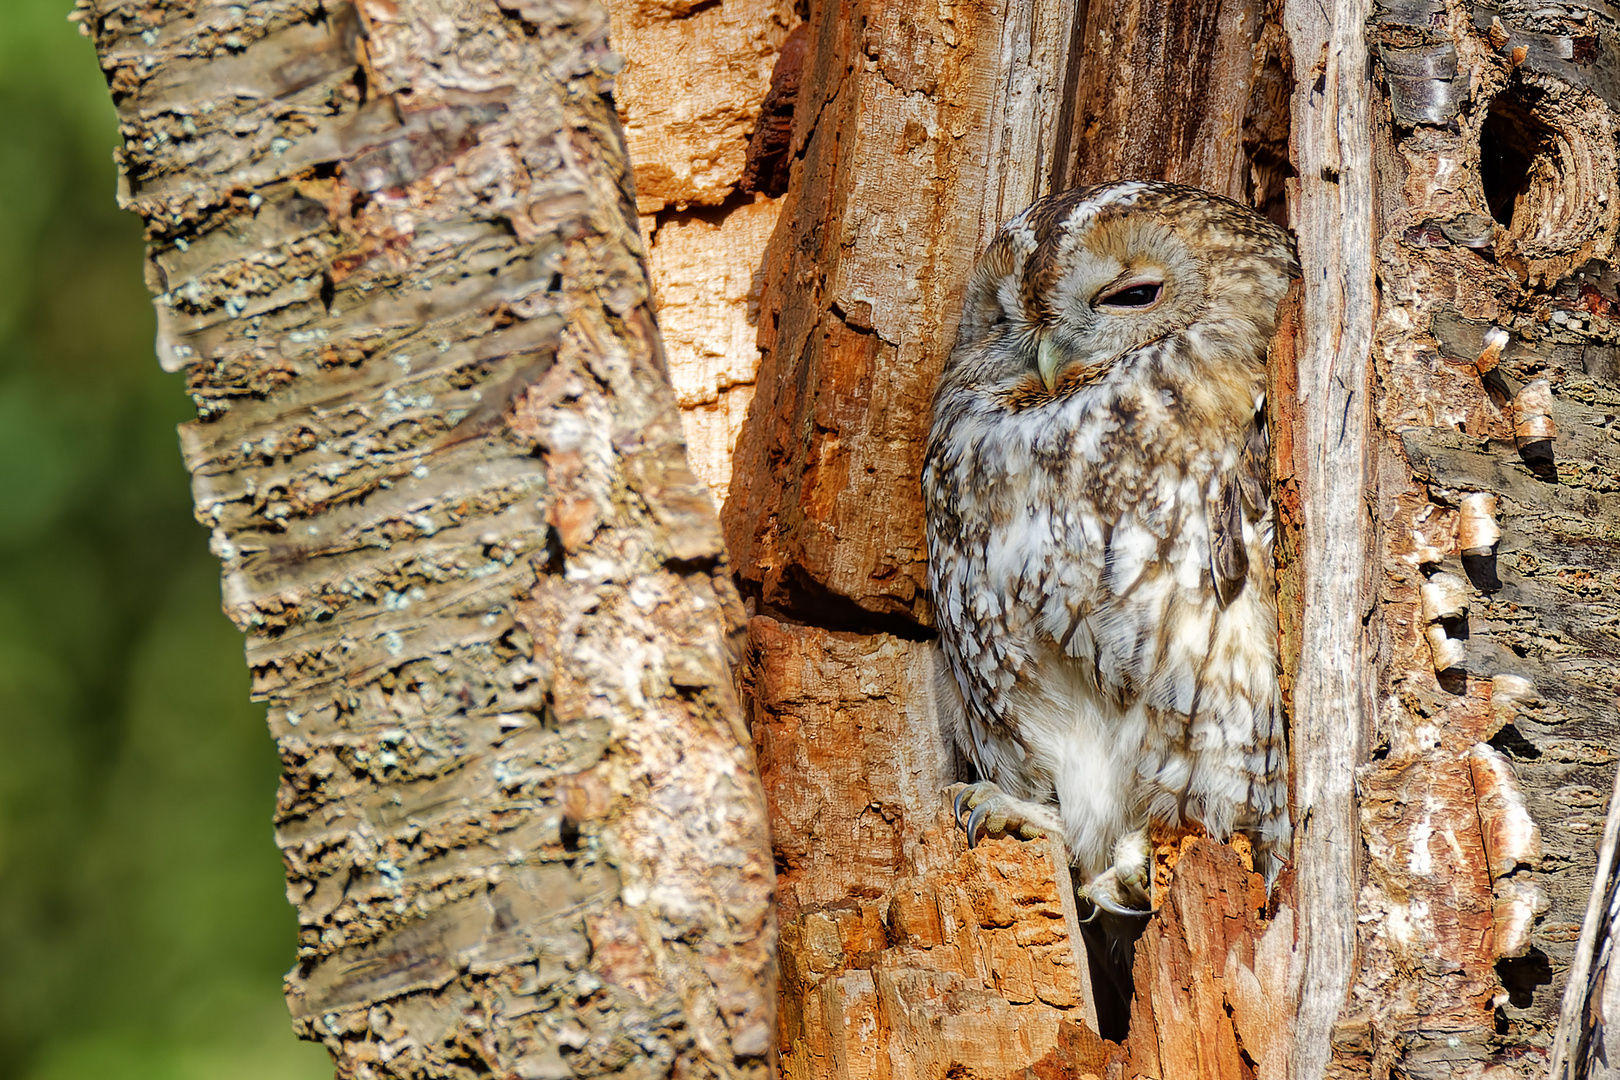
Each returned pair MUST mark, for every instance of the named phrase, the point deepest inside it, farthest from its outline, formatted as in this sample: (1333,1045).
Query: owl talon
(993,812)
(1103,902)
(977,819)
(1124,889)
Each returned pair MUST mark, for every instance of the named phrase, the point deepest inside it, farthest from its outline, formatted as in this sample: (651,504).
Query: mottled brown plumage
(1100,528)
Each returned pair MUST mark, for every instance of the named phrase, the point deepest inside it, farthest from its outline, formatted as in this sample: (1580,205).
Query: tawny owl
(1100,528)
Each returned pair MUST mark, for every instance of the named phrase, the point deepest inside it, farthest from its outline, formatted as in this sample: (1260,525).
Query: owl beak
(1047,361)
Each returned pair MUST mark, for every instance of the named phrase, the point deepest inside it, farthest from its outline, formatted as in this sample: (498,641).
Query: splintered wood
(695,75)
(904,954)
(967,970)
(695,78)
(705,273)
(1212,992)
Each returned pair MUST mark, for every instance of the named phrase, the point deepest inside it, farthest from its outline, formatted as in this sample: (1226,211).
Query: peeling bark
(1494,742)
(395,253)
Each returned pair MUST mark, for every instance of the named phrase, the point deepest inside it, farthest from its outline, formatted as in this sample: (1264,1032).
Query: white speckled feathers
(1099,518)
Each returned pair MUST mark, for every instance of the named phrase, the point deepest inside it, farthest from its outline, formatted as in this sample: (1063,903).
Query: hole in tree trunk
(1522,975)
(1548,173)
(1509,142)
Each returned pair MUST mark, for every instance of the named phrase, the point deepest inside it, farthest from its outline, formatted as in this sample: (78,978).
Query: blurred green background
(143,927)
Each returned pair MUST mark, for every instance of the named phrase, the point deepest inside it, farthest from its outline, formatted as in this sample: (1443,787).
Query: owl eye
(1138,295)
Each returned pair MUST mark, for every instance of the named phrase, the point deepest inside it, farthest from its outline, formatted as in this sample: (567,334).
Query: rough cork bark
(396,256)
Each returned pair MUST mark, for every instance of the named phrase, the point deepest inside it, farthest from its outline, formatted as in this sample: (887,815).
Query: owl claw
(1124,889)
(992,812)
(1103,902)
(976,820)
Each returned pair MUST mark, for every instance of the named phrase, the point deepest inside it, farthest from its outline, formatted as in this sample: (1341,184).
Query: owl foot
(995,813)
(1124,890)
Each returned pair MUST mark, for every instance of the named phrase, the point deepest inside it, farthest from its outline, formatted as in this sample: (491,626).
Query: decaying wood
(695,75)
(1495,736)
(395,253)
(705,272)
(1191,93)
(903,953)
(695,83)
(914,136)
(1212,990)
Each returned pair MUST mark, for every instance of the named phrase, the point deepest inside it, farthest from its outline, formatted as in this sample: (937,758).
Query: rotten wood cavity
(918,134)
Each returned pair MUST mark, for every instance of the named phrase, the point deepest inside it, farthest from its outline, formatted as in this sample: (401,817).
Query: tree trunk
(1421,928)
(1495,211)
(395,253)
(812,205)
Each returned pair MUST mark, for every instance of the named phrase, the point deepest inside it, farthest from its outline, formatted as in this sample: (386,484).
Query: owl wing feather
(1243,500)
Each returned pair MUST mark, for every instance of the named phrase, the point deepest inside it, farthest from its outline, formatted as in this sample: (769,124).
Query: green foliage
(142,920)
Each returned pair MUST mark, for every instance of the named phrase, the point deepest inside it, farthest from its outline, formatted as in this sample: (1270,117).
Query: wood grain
(1211,987)
(915,135)
(1332,212)
(1172,92)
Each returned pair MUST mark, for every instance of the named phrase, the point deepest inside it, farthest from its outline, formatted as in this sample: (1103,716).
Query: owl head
(1074,290)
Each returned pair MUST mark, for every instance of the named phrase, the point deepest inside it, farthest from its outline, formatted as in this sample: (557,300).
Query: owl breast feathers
(1099,517)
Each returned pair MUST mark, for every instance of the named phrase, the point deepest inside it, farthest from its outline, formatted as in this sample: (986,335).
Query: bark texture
(1493,746)
(903,953)
(395,252)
